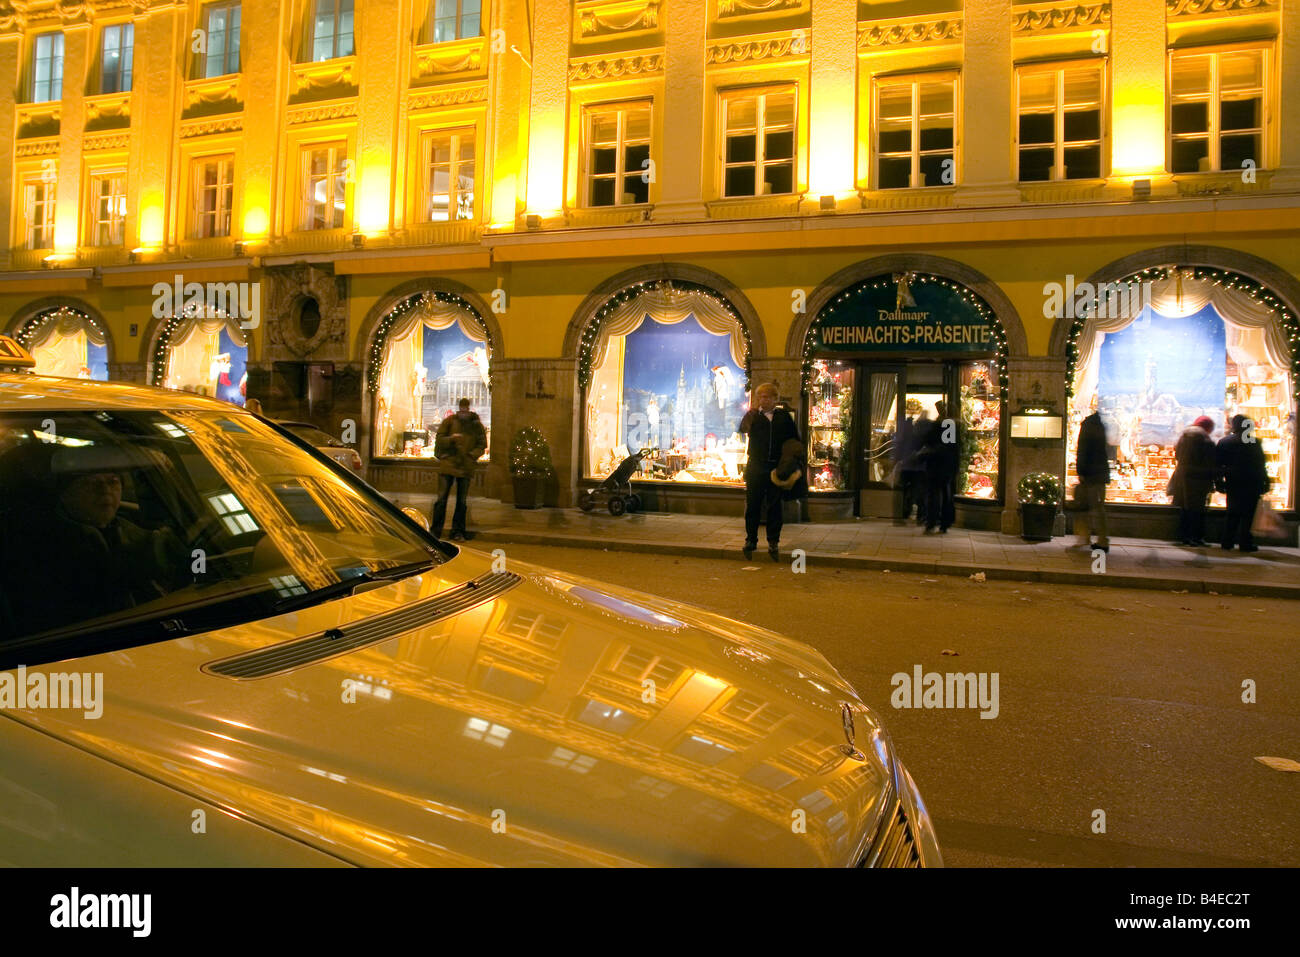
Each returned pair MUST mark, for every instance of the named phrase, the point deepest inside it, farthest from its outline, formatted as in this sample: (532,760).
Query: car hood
(563,722)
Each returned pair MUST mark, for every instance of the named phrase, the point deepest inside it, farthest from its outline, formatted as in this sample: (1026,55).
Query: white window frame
(227,57)
(761,133)
(107,213)
(37,193)
(221,214)
(456,193)
(914,81)
(621,143)
(1213,100)
(338,166)
(1058,133)
(125,34)
(336,36)
(50,88)
(433,20)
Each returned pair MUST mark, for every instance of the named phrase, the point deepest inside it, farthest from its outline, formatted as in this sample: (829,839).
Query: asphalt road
(1123,701)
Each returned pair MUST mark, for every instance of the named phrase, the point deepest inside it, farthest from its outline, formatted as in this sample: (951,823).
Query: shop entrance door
(895,398)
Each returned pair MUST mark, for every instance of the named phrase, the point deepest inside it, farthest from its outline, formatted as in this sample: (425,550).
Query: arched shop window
(203,354)
(429,352)
(66,342)
(664,365)
(1196,342)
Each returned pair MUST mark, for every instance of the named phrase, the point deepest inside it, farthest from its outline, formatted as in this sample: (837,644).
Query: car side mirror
(418,517)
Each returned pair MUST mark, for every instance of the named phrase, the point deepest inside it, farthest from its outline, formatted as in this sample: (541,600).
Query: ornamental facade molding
(229,124)
(599,18)
(603,67)
(13,16)
(108,141)
(742,8)
(42,147)
(314,114)
(764,48)
(908,33)
(435,98)
(1196,8)
(1061,16)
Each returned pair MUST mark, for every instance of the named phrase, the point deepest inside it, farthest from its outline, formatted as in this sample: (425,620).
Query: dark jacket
(766,439)
(460,443)
(1241,469)
(939,458)
(790,474)
(1090,460)
(1193,477)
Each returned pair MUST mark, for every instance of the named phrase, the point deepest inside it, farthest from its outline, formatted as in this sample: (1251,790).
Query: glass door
(881,414)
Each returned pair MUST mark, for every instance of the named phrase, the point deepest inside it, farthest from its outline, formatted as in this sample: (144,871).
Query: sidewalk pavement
(883,545)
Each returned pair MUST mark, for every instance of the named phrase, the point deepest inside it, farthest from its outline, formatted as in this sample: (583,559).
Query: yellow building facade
(606,218)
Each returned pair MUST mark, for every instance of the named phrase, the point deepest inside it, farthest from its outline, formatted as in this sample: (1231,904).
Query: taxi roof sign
(13,357)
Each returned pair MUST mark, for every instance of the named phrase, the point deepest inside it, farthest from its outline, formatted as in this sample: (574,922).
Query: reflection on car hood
(563,722)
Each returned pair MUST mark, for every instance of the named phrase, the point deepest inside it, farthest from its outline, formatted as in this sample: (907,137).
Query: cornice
(1060,16)
(759,48)
(909,32)
(608,67)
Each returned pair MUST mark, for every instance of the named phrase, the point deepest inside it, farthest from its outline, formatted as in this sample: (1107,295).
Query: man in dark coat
(1193,480)
(940,444)
(459,444)
(1093,467)
(1242,474)
(768,428)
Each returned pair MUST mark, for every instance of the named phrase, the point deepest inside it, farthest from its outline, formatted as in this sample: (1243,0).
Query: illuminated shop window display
(1196,349)
(830,424)
(68,343)
(669,375)
(981,427)
(434,355)
(207,356)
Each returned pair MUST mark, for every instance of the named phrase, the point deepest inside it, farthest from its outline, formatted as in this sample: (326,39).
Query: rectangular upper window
(453,20)
(47,68)
(759,142)
(914,123)
(1060,122)
(448,163)
(331,29)
(115,50)
(1216,110)
(617,154)
(220,52)
(324,179)
(213,188)
(38,214)
(107,209)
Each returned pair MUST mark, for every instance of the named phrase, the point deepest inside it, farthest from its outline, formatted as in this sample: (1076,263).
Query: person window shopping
(768,428)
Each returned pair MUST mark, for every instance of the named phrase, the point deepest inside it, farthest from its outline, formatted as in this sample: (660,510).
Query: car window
(125,527)
(314,436)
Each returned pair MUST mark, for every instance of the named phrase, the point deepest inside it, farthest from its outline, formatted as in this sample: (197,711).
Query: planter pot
(527,488)
(1036,522)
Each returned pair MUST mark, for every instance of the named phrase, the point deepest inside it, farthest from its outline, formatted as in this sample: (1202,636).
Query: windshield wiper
(348,585)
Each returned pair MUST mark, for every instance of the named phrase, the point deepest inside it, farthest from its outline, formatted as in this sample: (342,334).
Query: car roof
(21,391)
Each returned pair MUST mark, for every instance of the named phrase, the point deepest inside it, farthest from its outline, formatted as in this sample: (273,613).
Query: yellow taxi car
(218,647)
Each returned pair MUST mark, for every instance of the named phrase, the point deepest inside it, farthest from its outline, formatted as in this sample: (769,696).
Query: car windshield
(124,527)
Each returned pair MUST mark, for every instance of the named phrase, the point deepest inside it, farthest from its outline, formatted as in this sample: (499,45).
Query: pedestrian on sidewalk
(1193,480)
(458,445)
(939,454)
(768,428)
(911,471)
(1093,468)
(1243,476)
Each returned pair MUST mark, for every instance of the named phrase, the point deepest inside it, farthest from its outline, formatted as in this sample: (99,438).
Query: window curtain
(61,347)
(193,350)
(670,306)
(398,405)
(1249,325)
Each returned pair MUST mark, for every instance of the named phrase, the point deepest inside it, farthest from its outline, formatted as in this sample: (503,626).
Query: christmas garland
(162,342)
(1220,277)
(29,330)
(587,346)
(969,298)
(379,343)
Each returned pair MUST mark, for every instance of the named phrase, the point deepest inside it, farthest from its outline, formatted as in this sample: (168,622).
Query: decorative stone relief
(1059,17)
(910,33)
(285,290)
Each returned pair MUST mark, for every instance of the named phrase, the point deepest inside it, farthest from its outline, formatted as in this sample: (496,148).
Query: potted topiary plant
(1040,497)
(530,465)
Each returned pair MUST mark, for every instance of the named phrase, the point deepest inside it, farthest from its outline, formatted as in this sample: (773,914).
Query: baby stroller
(618,486)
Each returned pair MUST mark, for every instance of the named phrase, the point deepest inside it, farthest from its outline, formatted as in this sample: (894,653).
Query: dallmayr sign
(903,316)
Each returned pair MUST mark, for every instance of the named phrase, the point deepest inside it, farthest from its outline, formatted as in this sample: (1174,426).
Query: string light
(32,328)
(162,343)
(587,346)
(379,342)
(530,454)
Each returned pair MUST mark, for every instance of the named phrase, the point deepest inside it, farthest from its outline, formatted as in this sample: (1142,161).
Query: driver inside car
(78,558)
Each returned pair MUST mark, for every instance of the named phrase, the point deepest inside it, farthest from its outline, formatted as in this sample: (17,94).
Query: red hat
(1205,422)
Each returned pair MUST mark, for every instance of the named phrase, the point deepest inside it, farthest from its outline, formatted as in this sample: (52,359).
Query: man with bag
(458,445)
(1243,476)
